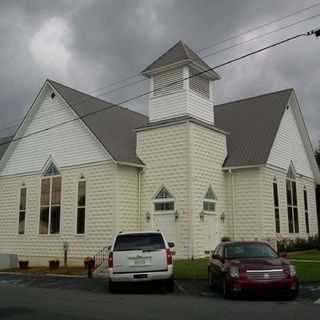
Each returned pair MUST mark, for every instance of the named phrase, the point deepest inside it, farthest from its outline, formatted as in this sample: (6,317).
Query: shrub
(299,244)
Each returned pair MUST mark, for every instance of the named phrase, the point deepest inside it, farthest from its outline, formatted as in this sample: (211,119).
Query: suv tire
(169,285)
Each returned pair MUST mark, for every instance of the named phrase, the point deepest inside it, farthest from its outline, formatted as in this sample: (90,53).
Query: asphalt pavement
(23,297)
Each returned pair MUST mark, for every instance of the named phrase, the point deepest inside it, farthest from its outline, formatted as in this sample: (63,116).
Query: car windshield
(249,250)
(144,241)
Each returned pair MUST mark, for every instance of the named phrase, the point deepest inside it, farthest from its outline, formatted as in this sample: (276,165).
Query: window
(22,210)
(276,206)
(168,82)
(209,202)
(306,213)
(291,186)
(50,202)
(199,83)
(164,201)
(81,207)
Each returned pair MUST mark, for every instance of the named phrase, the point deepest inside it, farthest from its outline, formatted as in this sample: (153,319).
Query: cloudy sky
(90,44)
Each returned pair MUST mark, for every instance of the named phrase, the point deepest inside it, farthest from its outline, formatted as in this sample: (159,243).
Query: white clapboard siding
(288,146)
(69,144)
(182,98)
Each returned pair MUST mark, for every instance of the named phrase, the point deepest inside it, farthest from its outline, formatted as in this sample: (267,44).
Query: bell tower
(177,89)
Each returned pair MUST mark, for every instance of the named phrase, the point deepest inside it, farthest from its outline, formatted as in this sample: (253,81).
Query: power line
(205,48)
(168,85)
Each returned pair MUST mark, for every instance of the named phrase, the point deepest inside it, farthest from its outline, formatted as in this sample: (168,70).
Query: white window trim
(208,212)
(25,211)
(61,206)
(80,235)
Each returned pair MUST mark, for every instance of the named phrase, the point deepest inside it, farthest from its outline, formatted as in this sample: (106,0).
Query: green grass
(308,271)
(197,269)
(305,255)
(191,269)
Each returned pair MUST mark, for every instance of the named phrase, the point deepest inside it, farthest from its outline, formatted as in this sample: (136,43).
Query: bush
(299,244)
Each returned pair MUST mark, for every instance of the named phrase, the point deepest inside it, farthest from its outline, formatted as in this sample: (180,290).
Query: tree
(317,154)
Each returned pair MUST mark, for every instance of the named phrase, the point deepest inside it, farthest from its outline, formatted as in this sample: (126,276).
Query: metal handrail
(100,257)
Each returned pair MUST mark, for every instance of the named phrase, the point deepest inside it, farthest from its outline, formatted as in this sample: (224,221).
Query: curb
(43,275)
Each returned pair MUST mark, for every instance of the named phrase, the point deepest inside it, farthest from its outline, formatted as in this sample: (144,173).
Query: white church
(192,169)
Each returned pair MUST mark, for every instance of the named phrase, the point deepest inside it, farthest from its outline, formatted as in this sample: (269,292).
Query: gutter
(232,197)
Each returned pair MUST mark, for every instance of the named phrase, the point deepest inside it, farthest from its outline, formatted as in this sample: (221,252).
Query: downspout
(232,201)
(139,199)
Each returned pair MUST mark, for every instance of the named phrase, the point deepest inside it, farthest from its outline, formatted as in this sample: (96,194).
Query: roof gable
(252,124)
(113,127)
(179,53)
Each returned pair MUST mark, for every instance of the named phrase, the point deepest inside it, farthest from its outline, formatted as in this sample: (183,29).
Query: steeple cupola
(177,90)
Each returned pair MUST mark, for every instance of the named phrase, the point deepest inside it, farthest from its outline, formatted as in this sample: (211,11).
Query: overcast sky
(88,44)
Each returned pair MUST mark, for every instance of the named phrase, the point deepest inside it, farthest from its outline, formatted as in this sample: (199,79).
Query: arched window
(50,202)
(163,201)
(292,203)
(209,201)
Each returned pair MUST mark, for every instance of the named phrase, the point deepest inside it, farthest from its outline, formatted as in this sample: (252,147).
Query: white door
(213,231)
(166,223)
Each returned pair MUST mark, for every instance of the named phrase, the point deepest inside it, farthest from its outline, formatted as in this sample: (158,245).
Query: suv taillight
(169,257)
(110,260)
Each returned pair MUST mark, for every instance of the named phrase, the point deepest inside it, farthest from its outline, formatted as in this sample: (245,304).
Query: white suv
(140,256)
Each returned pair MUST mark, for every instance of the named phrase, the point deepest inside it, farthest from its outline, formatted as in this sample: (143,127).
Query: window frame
(276,207)
(51,178)
(20,211)
(81,207)
(164,200)
(306,209)
(212,200)
(292,202)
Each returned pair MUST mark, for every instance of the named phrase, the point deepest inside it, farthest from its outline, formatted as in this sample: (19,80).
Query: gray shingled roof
(113,127)
(4,144)
(178,53)
(252,124)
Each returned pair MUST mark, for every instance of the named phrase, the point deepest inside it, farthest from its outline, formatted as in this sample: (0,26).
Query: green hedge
(299,244)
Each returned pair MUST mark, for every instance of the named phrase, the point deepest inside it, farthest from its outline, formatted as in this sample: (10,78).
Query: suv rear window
(144,241)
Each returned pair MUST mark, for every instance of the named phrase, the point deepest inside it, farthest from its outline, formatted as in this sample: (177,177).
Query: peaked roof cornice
(179,54)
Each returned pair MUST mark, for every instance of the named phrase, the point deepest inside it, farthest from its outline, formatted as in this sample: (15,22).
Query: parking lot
(29,297)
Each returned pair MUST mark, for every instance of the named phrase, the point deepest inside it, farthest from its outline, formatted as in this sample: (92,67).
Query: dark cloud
(88,44)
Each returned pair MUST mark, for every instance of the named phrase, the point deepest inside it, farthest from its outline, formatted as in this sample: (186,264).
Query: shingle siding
(38,249)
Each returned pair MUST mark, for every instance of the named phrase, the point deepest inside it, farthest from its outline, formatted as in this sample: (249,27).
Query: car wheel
(113,287)
(227,294)
(169,285)
(210,280)
(292,295)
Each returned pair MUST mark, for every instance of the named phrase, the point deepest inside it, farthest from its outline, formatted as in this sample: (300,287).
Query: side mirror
(283,255)
(171,244)
(217,257)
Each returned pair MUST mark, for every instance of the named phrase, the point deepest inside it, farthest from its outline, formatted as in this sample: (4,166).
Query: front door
(165,222)
(213,232)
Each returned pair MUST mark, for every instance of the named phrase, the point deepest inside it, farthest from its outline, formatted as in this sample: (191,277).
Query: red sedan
(236,267)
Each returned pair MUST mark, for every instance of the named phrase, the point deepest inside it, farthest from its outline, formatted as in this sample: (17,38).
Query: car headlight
(234,272)
(292,270)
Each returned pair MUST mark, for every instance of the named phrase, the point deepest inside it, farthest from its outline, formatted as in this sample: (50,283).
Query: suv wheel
(113,287)
(169,285)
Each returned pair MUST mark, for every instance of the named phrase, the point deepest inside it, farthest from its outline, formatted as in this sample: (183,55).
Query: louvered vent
(162,81)
(199,84)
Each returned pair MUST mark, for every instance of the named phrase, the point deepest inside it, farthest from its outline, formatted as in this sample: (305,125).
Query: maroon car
(236,267)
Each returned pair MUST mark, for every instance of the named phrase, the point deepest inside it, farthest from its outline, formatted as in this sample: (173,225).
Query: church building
(78,169)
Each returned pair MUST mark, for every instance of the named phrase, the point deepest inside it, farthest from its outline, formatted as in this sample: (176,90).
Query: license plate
(139,262)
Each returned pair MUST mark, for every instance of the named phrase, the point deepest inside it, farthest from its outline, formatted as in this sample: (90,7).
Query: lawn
(197,269)
(305,255)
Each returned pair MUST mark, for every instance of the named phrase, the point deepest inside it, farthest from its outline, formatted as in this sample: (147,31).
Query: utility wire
(15,124)
(168,85)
